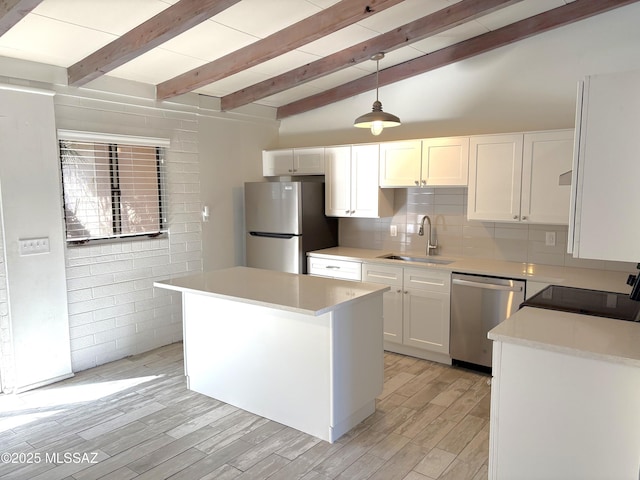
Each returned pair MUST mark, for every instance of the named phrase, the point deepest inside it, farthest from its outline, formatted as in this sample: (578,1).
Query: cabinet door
(277,162)
(546,156)
(426,324)
(337,181)
(400,164)
(308,161)
(445,161)
(606,209)
(495,172)
(392,300)
(365,192)
(426,309)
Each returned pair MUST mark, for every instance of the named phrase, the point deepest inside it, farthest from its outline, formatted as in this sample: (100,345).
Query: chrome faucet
(421,233)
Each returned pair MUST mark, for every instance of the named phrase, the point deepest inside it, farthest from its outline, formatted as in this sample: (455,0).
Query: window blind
(112,185)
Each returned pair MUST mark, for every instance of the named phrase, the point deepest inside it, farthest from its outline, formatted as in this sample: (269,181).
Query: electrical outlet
(393,230)
(33,246)
(550,239)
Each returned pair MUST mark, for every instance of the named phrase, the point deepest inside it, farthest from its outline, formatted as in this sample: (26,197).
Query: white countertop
(267,288)
(582,335)
(607,280)
(579,335)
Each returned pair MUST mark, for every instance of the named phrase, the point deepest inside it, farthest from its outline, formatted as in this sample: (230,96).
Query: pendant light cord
(377,77)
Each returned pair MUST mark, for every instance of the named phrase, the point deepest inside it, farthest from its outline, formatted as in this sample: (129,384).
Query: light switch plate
(33,246)
(393,230)
(550,239)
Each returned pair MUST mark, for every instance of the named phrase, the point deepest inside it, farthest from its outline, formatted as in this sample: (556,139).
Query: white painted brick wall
(113,308)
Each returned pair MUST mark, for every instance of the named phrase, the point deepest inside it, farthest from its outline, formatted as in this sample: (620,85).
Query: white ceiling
(63,32)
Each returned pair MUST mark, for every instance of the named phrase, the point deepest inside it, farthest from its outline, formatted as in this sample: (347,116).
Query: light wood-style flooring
(135,419)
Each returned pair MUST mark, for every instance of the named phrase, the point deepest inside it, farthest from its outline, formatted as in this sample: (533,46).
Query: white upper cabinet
(400,164)
(547,155)
(445,161)
(495,171)
(515,178)
(337,189)
(351,183)
(423,163)
(606,169)
(293,161)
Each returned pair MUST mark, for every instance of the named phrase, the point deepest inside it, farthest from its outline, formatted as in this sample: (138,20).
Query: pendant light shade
(376,119)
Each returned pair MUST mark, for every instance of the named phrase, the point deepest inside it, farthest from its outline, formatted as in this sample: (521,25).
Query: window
(112,185)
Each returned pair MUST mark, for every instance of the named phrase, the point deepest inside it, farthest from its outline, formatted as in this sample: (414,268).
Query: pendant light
(376,120)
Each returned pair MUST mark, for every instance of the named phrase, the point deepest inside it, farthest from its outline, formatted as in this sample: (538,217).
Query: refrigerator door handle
(272,235)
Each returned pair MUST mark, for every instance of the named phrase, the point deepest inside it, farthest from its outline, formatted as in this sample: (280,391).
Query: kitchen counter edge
(593,279)
(587,336)
(287,291)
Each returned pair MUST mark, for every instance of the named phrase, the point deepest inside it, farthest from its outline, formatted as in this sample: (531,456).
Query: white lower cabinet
(555,415)
(416,310)
(427,309)
(327,267)
(392,300)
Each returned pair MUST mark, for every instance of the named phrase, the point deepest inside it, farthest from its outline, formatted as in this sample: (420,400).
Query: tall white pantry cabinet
(606,173)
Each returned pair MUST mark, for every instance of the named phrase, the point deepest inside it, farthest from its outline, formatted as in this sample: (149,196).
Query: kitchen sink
(430,260)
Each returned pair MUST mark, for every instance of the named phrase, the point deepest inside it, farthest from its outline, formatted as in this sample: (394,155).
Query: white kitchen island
(565,397)
(302,351)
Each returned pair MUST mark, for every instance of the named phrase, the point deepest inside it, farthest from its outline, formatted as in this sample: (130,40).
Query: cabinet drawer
(383,274)
(342,269)
(426,279)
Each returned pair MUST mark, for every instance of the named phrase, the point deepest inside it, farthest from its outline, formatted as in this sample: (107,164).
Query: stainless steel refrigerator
(284,221)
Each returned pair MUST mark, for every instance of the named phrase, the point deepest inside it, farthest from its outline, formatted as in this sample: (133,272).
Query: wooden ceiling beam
(558,17)
(425,27)
(12,11)
(329,20)
(169,23)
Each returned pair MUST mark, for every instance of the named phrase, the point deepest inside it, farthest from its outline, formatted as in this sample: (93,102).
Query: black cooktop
(586,302)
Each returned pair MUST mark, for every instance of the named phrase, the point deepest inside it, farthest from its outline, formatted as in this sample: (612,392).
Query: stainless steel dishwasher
(478,304)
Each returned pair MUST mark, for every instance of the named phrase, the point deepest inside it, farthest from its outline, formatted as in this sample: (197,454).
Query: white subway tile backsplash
(458,236)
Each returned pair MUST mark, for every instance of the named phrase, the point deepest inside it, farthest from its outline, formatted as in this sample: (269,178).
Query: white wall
(36,319)
(529,85)
(114,311)
(233,156)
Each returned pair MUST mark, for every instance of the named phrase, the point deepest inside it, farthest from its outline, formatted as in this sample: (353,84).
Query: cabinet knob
(417,183)
(290,171)
(524,218)
(353,211)
(399,290)
(346,211)
(424,183)
(294,170)
(406,291)
(515,217)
